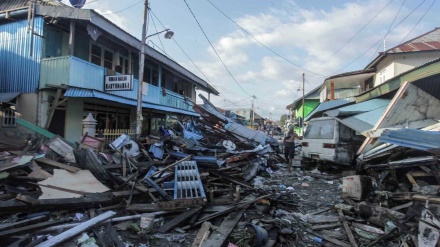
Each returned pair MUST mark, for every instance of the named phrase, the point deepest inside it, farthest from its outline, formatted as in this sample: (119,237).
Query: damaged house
(359,99)
(61,63)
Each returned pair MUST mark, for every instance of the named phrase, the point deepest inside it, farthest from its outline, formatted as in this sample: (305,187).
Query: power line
(419,20)
(352,37)
(212,46)
(389,28)
(186,54)
(124,9)
(261,43)
(158,36)
(379,39)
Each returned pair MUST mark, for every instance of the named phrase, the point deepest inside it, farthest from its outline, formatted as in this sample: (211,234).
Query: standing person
(289,147)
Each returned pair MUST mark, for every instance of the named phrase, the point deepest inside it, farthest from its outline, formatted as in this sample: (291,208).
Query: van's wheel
(358,166)
(308,163)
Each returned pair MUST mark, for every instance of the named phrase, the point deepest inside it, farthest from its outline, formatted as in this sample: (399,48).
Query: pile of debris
(211,182)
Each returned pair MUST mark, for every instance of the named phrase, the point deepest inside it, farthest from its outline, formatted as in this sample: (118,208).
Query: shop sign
(118,83)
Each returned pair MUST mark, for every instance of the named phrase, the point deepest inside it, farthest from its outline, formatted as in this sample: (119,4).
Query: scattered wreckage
(214,182)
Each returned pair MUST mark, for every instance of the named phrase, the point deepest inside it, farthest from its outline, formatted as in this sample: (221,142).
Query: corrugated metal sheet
(88,93)
(358,108)
(8,97)
(413,138)
(364,121)
(19,65)
(12,4)
(324,106)
(426,42)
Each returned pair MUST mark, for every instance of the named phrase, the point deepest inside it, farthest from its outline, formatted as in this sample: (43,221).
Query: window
(321,129)
(8,119)
(101,56)
(108,59)
(96,55)
(122,67)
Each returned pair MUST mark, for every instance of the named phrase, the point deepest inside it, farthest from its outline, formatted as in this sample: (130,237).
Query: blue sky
(317,37)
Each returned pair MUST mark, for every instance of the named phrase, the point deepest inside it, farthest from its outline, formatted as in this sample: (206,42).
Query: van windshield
(322,129)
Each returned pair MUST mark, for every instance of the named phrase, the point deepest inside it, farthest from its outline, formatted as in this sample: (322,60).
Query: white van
(327,140)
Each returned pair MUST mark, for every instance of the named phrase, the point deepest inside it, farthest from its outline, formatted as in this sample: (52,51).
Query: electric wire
(378,40)
(423,16)
(352,37)
(389,28)
(212,46)
(186,54)
(261,43)
(124,9)
(158,36)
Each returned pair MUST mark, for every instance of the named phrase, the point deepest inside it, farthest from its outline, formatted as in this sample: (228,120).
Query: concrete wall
(395,64)
(384,70)
(405,62)
(74,116)
(27,107)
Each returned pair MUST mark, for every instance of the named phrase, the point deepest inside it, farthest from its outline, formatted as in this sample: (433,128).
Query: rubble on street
(215,182)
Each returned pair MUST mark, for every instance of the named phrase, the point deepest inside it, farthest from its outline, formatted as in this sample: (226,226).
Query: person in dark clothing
(289,147)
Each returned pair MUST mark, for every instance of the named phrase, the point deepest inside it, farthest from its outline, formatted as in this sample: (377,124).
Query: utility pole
(253,112)
(303,117)
(139,117)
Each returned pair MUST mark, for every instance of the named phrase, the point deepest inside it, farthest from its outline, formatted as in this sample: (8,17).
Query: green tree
(283,119)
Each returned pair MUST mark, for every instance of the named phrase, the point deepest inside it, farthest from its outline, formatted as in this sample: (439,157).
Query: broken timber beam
(77,230)
(179,219)
(229,178)
(219,236)
(347,229)
(57,164)
(30,228)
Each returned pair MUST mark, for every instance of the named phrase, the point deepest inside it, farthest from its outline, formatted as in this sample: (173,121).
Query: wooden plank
(325,226)
(77,230)
(327,238)
(26,199)
(29,228)
(244,203)
(347,229)
(57,164)
(169,166)
(402,206)
(64,184)
(61,147)
(179,219)
(202,235)
(163,193)
(22,161)
(218,236)
(233,180)
(22,223)
(320,219)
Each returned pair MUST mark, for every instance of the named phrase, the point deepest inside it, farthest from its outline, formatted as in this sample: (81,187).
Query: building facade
(63,63)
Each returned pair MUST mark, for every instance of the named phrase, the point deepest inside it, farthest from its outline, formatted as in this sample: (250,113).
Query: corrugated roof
(324,106)
(90,93)
(18,4)
(425,42)
(366,106)
(411,138)
(364,121)
(8,97)
(429,41)
(12,4)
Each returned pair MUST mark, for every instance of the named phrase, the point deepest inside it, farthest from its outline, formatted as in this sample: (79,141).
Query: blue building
(58,64)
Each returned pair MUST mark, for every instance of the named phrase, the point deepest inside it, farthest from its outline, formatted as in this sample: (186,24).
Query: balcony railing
(72,71)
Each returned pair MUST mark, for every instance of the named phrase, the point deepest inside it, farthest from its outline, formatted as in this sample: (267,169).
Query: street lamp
(168,35)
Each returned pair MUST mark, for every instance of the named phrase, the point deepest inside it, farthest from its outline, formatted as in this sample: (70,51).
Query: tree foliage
(283,119)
